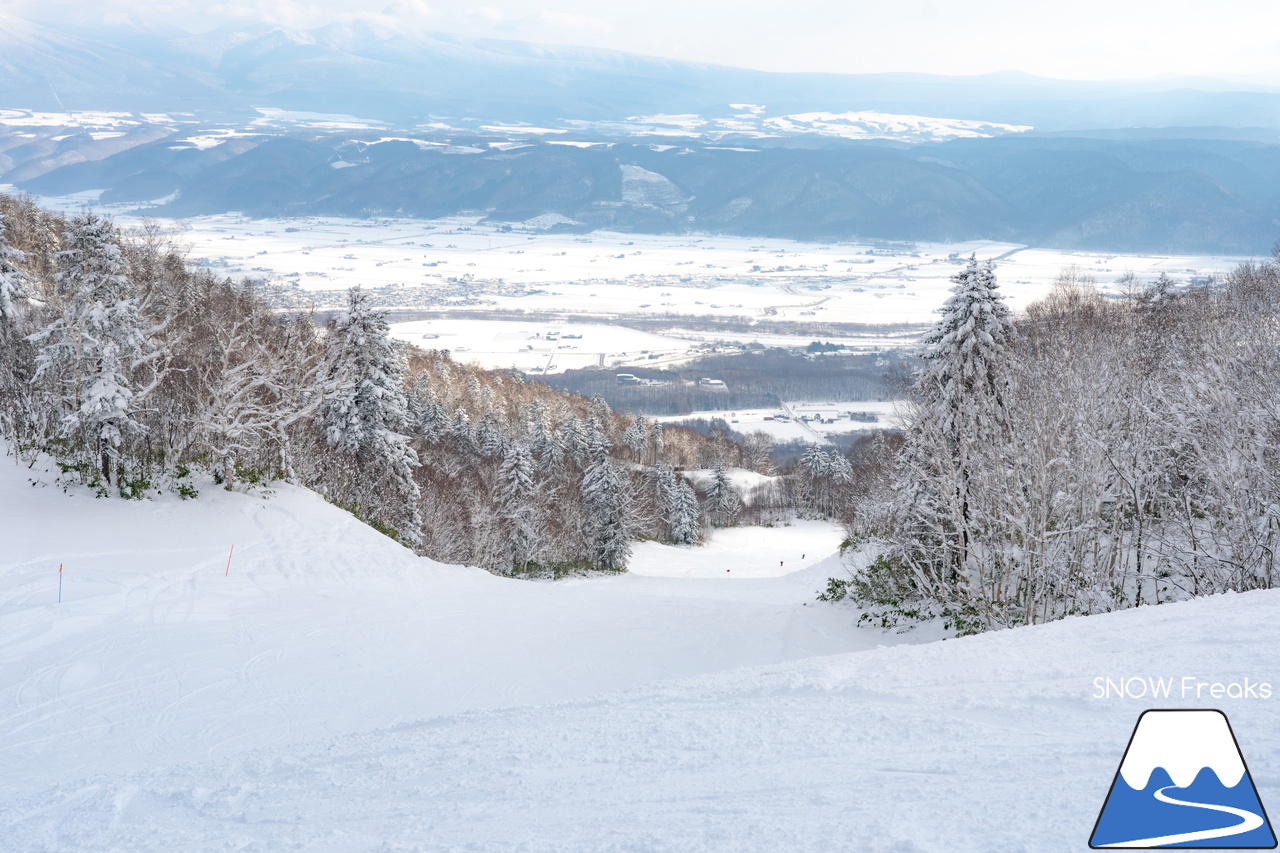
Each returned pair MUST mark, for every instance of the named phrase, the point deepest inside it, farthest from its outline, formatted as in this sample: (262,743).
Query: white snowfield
(336,693)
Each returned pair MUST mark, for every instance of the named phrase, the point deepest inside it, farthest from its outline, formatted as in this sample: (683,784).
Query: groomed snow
(323,626)
(337,694)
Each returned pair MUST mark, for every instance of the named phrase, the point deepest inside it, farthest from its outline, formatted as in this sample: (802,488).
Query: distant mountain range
(403,77)
(351,120)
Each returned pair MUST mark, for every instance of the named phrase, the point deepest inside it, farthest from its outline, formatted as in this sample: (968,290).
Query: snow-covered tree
(655,440)
(682,518)
(636,437)
(954,468)
(86,355)
(723,504)
(962,391)
(241,387)
(433,423)
(574,435)
(966,354)
(13,281)
(17,407)
(516,498)
(365,411)
(605,513)
(461,433)
(488,436)
(550,450)
(815,462)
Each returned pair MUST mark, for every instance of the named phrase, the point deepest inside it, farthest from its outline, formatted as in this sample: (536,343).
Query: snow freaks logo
(1183,783)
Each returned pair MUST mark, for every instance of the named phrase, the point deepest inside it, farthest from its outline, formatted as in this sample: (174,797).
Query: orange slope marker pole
(59,583)
(227,573)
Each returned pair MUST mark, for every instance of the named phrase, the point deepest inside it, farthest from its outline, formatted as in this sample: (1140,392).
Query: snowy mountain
(404,76)
(44,68)
(329,691)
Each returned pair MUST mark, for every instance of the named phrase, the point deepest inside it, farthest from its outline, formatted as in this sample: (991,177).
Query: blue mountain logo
(1183,783)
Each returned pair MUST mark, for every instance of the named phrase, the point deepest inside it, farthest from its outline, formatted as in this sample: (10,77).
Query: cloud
(408,9)
(570,21)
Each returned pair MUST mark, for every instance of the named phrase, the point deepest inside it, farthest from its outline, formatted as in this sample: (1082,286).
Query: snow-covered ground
(610,272)
(548,347)
(748,121)
(323,626)
(604,272)
(335,693)
(821,419)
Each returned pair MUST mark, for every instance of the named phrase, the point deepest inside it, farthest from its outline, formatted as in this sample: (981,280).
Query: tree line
(760,378)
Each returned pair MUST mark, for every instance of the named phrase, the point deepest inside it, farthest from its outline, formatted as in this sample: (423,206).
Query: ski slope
(332,692)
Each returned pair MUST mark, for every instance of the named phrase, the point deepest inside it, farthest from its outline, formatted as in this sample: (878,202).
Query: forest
(135,371)
(756,379)
(1095,454)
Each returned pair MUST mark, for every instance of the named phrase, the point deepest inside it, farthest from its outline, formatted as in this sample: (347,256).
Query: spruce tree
(723,504)
(17,407)
(489,436)
(605,511)
(636,437)
(655,440)
(87,354)
(13,282)
(365,412)
(461,435)
(957,439)
(682,519)
(516,495)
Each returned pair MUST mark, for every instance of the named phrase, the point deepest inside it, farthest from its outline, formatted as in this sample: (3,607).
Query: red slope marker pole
(227,573)
(59,583)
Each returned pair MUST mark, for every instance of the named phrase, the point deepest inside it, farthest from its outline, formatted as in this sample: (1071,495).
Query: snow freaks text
(1184,687)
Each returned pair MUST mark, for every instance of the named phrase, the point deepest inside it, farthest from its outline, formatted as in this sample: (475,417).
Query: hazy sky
(1084,39)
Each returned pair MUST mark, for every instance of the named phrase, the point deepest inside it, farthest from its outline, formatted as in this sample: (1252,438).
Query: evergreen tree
(515,482)
(488,436)
(723,504)
(958,438)
(13,282)
(636,437)
(17,408)
(461,434)
(88,352)
(433,423)
(655,440)
(365,412)
(682,519)
(605,510)
(574,435)
(550,450)
(815,462)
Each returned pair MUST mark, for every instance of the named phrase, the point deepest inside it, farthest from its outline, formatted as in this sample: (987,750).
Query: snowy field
(462,261)
(335,693)
(615,273)
(823,419)
(541,347)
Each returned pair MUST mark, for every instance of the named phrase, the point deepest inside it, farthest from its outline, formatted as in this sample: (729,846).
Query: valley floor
(333,692)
